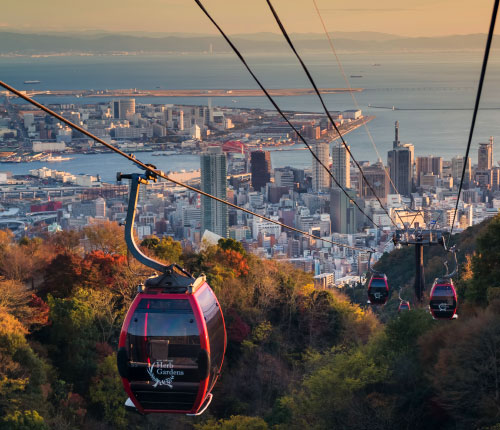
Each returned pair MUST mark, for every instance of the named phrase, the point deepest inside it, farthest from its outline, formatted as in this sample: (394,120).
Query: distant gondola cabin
(378,289)
(443,299)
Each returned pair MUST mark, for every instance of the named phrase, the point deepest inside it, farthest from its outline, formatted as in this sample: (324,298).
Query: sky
(400,17)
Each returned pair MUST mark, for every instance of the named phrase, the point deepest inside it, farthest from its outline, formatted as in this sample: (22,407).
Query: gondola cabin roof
(174,281)
(379,276)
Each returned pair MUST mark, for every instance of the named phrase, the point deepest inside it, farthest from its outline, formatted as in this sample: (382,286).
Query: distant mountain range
(101,43)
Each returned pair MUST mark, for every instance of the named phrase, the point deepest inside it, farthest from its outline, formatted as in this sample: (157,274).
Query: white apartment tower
(341,165)
(320,176)
(214,215)
(180,125)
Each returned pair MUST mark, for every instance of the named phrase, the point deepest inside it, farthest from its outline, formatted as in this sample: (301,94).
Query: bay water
(433,94)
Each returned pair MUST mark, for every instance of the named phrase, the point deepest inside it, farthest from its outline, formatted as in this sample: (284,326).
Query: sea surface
(435,92)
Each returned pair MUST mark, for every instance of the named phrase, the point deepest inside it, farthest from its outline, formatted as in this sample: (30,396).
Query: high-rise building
(100,207)
(284,177)
(123,108)
(196,132)
(341,165)
(180,124)
(343,213)
(168,116)
(377,177)
(457,165)
(400,162)
(495,178)
(116,109)
(428,164)
(485,155)
(320,176)
(260,168)
(214,215)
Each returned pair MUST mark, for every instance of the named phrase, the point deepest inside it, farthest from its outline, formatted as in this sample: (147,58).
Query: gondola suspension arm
(136,179)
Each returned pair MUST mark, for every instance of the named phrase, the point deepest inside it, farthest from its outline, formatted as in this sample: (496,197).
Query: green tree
(106,392)
(73,335)
(150,242)
(22,372)
(236,422)
(464,367)
(167,249)
(329,396)
(485,264)
(231,244)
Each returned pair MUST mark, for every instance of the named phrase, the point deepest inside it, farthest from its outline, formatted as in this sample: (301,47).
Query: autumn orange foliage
(234,260)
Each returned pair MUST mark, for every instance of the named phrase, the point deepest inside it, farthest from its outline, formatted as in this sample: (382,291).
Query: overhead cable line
(311,80)
(240,56)
(476,106)
(160,174)
(332,46)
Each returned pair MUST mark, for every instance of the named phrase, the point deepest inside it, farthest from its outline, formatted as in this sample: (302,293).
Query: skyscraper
(260,168)
(342,211)
(400,162)
(429,164)
(485,155)
(320,176)
(341,165)
(214,215)
(377,177)
(457,165)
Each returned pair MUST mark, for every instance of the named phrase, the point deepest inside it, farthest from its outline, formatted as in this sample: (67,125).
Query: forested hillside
(297,357)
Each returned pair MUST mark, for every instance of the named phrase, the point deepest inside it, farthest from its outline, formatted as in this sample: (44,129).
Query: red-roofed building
(46,207)
(234,146)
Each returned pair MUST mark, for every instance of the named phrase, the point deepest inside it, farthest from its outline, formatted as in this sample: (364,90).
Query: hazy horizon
(100,31)
(428,18)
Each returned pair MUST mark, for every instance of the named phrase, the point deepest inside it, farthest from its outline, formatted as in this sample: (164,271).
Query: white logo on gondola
(443,307)
(162,373)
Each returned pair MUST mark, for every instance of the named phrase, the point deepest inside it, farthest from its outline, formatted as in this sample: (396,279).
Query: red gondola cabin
(443,299)
(404,306)
(378,289)
(172,345)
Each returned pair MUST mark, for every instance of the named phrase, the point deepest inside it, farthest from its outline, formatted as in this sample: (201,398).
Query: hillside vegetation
(297,357)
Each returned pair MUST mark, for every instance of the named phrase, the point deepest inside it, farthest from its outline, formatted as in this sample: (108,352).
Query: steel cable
(476,105)
(275,105)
